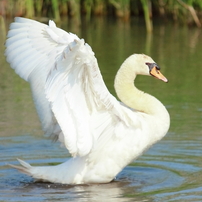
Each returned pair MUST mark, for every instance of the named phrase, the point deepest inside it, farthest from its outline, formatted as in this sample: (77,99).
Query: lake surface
(170,171)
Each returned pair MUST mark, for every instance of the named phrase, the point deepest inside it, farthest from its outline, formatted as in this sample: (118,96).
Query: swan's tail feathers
(38,173)
(68,172)
(42,173)
(24,168)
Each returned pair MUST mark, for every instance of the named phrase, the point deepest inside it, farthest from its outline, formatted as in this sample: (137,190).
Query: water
(170,171)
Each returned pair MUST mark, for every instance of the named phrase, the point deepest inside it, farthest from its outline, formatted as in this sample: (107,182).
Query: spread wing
(85,110)
(69,93)
(31,50)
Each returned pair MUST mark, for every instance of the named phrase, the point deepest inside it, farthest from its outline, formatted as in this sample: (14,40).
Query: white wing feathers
(71,91)
(70,95)
(34,43)
(31,52)
(81,103)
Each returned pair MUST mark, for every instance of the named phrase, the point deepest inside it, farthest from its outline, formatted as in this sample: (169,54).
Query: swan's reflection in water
(114,192)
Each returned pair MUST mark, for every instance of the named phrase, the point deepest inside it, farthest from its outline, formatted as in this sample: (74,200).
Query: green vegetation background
(188,12)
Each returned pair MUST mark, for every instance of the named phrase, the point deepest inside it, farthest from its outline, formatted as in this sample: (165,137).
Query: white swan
(102,134)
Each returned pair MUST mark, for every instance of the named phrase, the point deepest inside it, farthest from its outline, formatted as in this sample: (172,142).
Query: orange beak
(156,73)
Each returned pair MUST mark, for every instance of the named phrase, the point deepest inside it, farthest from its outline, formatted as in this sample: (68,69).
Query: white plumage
(102,134)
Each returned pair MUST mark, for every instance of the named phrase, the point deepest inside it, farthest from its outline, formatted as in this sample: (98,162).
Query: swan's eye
(152,65)
(157,67)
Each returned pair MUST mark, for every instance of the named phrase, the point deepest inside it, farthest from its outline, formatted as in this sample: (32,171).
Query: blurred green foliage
(181,11)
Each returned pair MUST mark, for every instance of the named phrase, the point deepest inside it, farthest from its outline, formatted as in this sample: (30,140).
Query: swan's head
(144,65)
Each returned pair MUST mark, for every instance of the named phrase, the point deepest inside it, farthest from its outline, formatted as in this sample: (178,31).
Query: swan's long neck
(136,99)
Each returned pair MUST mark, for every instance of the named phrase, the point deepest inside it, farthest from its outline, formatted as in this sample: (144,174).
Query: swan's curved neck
(152,111)
(133,97)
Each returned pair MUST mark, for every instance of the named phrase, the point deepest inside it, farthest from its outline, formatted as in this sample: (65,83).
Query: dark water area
(170,171)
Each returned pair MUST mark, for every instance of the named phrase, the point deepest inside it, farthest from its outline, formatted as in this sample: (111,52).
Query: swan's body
(73,103)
